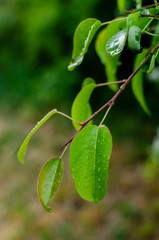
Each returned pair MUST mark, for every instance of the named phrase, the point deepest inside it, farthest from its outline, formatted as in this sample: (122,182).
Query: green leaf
(152,64)
(49,180)
(111,62)
(138,3)
(116,44)
(88,81)
(82,39)
(81,109)
(89,160)
(121,5)
(135,19)
(155,39)
(23,148)
(134,38)
(137,83)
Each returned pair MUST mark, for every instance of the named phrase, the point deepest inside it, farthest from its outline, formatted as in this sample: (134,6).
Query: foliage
(91,145)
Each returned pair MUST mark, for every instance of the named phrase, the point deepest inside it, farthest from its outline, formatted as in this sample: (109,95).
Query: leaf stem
(112,100)
(65,115)
(106,113)
(147,6)
(63,152)
(108,83)
(151,34)
(147,24)
(119,19)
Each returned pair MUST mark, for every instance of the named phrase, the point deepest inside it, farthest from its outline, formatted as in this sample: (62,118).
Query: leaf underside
(82,39)
(23,148)
(137,83)
(49,180)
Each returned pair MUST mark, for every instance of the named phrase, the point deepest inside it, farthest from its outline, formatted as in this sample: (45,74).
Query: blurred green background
(35,50)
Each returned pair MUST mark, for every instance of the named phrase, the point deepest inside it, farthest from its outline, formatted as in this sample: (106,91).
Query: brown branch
(112,100)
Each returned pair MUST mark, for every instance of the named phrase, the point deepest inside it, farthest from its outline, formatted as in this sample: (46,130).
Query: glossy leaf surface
(82,39)
(111,62)
(137,83)
(89,160)
(81,109)
(49,180)
(116,44)
(23,148)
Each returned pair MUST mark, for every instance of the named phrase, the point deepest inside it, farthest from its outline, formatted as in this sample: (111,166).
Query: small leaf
(155,39)
(138,3)
(81,109)
(23,148)
(82,39)
(49,181)
(111,62)
(135,19)
(116,44)
(89,161)
(88,81)
(152,64)
(134,38)
(121,5)
(137,83)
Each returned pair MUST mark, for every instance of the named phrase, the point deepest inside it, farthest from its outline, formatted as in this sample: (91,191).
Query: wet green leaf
(89,160)
(81,110)
(135,19)
(49,180)
(111,62)
(116,44)
(134,38)
(82,39)
(23,148)
(137,82)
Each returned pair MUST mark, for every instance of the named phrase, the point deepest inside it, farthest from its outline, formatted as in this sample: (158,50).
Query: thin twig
(108,83)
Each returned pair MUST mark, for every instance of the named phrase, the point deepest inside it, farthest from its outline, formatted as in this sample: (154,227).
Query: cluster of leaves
(91,145)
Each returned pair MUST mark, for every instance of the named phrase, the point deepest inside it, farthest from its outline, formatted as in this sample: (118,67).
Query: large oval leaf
(82,39)
(23,148)
(111,62)
(116,44)
(137,82)
(89,160)
(81,110)
(49,180)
